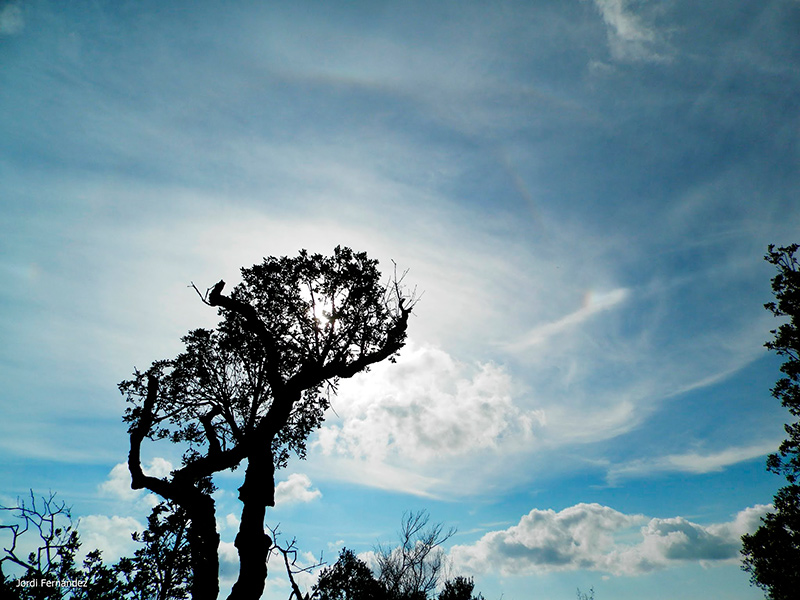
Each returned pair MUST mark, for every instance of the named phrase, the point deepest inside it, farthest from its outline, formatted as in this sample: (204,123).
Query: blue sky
(583,189)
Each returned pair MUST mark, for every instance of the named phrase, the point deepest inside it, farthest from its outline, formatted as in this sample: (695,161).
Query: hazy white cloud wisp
(12,20)
(690,462)
(593,303)
(629,37)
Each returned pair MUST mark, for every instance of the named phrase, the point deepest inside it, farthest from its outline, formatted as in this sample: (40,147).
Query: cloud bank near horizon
(598,538)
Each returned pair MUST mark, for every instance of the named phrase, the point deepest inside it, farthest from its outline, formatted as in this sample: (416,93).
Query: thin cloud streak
(696,463)
(593,303)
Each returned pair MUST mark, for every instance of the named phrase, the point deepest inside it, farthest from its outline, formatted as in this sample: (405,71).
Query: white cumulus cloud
(118,482)
(599,538)
(228,563)
(296,488)
(426,407)
(111,535)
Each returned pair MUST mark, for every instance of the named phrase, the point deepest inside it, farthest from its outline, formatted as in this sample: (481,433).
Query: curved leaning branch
(203,536)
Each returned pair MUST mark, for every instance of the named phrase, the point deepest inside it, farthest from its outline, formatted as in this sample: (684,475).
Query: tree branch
(253,324)
(211,433)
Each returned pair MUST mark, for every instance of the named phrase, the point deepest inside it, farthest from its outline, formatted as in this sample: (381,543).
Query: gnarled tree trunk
(252,542)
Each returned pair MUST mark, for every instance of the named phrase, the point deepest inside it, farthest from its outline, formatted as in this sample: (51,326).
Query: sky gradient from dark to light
(583,190)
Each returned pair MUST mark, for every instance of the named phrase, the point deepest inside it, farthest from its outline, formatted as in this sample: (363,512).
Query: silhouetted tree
(255,387)
(414,569)
(772,553)
(160,569)
(459,588)
(349,578)
(45,525)
(289,554)
(585,595)
(411,570)
(52,554)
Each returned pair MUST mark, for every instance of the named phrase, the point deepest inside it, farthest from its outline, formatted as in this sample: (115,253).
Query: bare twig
(405,301)
(44,519)
(203,297)
(292,568)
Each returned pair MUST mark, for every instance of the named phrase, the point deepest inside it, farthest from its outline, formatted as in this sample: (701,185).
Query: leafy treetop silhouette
(349,578)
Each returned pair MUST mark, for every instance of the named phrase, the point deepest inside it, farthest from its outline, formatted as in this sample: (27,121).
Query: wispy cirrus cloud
(630,37)
(689,462)
(12,20)
(593,303)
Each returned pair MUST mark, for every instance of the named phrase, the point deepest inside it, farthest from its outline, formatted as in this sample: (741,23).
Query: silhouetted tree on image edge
(772,554)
